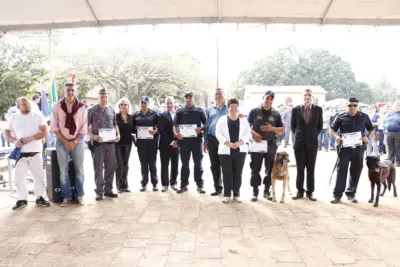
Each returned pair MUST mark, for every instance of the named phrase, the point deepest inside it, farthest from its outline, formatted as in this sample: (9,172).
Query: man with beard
(26,130)
(68,123)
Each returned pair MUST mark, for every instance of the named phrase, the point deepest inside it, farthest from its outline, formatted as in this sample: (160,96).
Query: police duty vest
(262,117)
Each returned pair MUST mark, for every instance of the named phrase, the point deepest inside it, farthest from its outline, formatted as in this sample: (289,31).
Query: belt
(29,154)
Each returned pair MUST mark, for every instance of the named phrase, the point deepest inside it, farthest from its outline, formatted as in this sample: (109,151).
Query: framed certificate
(143,132)
(188,130)
(108,134)
(352,139)
(261,147)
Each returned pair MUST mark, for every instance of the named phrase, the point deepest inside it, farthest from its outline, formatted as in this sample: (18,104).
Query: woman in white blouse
(232,133)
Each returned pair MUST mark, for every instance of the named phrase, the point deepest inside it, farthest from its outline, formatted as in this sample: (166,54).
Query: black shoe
(42,202)
(111,194)
(164,189)
(267,195)
(155,189)
(99,197)
(216,193)
(298,196)
(335,200)
(311,197)
(201,190)
(127,190)
(143,189)
(20,204)
(254,198)
(353,200)
(182,190)
(120,190)
(174,187)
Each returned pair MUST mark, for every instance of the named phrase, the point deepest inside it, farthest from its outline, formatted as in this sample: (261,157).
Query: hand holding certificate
(188,130)
(260,147)
(143,132)
(107,134)
(352,139)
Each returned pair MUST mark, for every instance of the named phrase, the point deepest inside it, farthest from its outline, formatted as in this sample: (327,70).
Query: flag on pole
(53,93)
(76,87)
(44,105)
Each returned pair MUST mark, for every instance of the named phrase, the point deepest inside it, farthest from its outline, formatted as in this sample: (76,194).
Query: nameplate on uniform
(107,134)
(352,139)
(261,147)
(143,132)
(188,130)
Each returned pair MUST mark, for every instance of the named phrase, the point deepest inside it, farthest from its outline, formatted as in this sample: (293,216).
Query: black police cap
(189,93)
(144,99)
(269,93)
(103,91)
(353,99)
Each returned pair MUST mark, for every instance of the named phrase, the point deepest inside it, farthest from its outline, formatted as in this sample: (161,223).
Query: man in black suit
(169,149)
(306,124)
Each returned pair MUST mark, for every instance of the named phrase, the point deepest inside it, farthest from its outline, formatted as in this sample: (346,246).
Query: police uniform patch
(259,118)
(271,119)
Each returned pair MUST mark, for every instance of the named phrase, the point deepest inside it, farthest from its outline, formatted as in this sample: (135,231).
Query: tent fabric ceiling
(19,15)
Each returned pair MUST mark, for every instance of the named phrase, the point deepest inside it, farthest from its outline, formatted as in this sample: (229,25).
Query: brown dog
(280,172)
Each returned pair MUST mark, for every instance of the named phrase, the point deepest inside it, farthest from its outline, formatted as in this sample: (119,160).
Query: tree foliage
(133,74)
(313,67)
(21,68)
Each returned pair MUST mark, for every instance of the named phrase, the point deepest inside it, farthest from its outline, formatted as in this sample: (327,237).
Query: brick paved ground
(166,229)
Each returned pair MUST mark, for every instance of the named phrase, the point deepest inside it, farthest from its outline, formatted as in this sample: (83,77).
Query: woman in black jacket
(124,146)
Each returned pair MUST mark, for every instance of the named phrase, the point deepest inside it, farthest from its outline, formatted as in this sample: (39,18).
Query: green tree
(132,74)
(384,92)
(21,68)
(313,67)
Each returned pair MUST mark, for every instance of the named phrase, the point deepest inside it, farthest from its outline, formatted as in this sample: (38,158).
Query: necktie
(307,115)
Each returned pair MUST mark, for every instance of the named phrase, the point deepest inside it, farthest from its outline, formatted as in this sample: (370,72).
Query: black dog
(380,173)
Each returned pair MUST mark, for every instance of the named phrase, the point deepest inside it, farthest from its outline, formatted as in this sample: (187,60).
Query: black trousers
(232,171)
(256,164)
(393,143)
(123,153)
(354,157)
(169,154)
(147,150)
(215,162)
(305,159)
(192,146)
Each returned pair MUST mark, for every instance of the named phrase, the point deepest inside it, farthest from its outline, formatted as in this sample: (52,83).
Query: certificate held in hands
(188,130)
(143,132)
(352,139)
(261,147)
(107,134)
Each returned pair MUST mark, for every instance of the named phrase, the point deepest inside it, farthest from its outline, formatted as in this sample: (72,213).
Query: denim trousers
(63,158)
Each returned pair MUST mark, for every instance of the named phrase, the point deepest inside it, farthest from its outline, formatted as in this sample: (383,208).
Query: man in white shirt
(26,130)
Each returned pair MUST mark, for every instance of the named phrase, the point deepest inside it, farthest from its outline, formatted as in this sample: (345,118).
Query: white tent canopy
(18,15)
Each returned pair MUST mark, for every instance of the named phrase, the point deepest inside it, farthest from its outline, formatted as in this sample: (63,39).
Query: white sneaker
(237,199)
(225,199)
(65,203)
(79,201)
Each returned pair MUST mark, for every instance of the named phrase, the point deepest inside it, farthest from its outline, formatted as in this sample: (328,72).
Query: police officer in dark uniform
(266,123)
(352,122)
(102,117)
(145,123)
(190,116)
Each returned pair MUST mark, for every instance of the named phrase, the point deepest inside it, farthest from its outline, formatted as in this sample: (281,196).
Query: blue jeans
(77,158)
(4,141)
(323,139)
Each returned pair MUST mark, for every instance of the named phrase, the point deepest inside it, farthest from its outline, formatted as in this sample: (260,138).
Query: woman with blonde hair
(124,146)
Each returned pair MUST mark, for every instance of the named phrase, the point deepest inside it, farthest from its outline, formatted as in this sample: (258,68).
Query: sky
(373,52)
